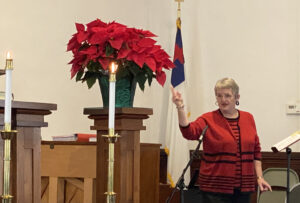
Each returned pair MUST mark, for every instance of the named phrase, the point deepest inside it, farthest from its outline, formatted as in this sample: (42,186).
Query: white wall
(255,42)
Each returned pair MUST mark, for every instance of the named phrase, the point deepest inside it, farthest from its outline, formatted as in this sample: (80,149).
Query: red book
(77,137)
(84,137)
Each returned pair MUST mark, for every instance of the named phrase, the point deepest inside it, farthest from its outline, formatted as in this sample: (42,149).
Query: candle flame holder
(112,77)
(9,64)
(7,135)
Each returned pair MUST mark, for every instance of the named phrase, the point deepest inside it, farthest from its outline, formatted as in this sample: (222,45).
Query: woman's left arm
(262,184)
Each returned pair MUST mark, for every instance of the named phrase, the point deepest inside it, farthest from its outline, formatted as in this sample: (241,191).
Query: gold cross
(178,9)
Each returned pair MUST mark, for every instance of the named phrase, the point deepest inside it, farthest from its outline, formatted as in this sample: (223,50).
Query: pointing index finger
(173,90)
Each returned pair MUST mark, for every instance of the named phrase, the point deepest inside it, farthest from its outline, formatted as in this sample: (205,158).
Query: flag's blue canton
(178,72)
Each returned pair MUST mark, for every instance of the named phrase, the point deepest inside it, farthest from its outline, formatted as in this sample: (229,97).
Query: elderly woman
(231,157)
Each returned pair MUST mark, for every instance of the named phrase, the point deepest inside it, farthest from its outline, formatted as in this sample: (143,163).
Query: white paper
(295,137)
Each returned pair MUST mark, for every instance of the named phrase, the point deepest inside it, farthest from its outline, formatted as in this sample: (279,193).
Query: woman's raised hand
(176,98)
(178,101)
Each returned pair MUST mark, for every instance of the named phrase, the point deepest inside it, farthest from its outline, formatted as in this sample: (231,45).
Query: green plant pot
(125,90)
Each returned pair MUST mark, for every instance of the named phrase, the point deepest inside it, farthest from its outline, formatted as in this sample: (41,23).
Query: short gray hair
(227,83)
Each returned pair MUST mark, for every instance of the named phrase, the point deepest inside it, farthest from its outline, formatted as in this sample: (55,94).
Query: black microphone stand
(288,153)
(180,183)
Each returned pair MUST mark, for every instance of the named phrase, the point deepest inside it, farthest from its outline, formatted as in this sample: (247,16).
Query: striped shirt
(233,123)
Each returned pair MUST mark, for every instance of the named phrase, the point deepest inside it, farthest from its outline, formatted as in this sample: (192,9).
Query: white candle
(112,91)
(8,74)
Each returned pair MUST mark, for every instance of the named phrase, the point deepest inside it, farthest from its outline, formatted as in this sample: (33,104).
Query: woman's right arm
(178,101)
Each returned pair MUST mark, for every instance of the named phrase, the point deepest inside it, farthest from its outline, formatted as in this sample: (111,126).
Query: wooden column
(27,119)
(128,124)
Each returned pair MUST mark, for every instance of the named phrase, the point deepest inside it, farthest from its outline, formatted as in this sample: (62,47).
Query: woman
(230,163)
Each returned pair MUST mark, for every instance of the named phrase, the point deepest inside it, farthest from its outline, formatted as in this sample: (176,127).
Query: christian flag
(176,146)
(178,72)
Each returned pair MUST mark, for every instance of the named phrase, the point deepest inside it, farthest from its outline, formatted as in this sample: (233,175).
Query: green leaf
(123,72)
(93,66)
(141,79)
(90,82)
(86,76)
(148,70)
(150,80)
(149,74)
(109,50)
(79,75)
(135,69)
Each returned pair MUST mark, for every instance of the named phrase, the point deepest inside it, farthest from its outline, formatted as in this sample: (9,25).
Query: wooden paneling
(27,119)
(270,159)
(66,156)
(165,191)
(71,169)
(69,160)
(149,175)
(163,167)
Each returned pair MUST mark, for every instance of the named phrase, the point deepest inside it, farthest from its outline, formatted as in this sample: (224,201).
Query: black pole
(182,194)
(180,183)
(288,153)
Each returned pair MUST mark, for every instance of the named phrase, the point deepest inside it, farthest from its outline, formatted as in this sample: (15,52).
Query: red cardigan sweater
(217,171)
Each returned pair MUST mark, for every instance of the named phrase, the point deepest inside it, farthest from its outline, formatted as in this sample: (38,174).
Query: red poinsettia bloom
(98,43)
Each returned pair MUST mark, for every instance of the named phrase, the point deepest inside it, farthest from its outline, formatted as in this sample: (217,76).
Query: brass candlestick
(7,135)
(111,139)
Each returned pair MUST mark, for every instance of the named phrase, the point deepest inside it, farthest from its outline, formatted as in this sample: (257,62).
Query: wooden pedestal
(128,124)
(27,119)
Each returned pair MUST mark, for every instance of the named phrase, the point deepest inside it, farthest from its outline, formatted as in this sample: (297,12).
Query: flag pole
(179,8)
(178,20)
(177,77)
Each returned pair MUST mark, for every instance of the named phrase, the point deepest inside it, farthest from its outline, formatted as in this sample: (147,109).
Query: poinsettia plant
(97,44)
